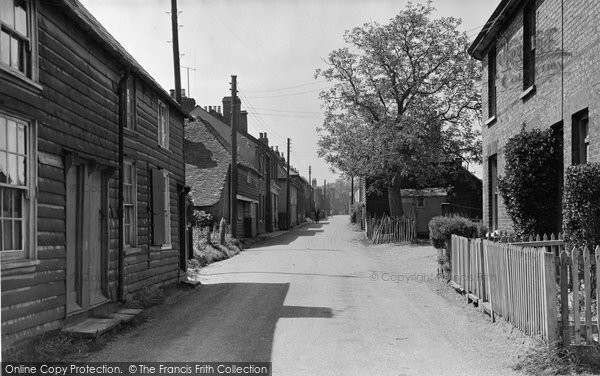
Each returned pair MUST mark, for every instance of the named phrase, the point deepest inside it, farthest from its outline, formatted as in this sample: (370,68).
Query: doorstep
(95,327)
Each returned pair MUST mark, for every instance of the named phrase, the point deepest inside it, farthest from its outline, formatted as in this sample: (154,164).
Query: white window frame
(29,78)
(29,205)
(132,242)
(167,213)
(163,124)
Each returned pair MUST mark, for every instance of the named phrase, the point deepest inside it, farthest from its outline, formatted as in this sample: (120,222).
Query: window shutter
(158,207)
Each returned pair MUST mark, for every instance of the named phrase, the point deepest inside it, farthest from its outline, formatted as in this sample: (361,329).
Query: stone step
(95,327)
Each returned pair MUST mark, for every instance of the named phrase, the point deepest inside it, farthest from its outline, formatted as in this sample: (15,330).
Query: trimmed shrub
(202,219)
(442,228)
(581,205)
(530,188)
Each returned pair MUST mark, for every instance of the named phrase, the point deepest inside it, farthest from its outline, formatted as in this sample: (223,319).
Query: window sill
(489,122)
(527,93)
(18,79)
(166,247)
(14,264)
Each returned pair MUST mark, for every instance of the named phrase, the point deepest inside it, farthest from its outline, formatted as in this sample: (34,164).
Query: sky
(273,46)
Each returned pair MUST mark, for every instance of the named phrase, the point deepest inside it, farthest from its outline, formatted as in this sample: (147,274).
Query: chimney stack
(263,138)
(243,125)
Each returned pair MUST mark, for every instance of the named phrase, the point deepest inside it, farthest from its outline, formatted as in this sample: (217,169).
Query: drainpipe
(122,124)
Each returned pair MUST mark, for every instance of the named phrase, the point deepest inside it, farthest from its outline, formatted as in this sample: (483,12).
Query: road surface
(320,301)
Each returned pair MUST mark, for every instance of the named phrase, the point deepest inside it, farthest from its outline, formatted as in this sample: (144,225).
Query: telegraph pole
(310,191)
(288,203)
(175,28)
(351,189)
(325,203)
(234,170)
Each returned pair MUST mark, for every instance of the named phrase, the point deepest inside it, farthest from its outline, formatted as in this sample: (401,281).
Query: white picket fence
(532,284)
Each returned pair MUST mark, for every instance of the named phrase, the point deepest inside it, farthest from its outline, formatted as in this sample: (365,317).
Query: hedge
(581,205)
(530,187)
(441,229)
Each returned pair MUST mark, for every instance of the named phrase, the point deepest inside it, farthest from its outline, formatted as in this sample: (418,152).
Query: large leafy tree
(402,102)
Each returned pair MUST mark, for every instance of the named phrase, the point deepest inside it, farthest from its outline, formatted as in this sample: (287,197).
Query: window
(131,104)
(529,45)
(161,208)
(129,204)
(420,202)
(492,82)
(16,44)
(163,125)
(581,137)
(15,187)
(493,192)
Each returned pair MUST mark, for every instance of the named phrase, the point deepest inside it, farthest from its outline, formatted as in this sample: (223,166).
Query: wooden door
(73,232)
(85,190)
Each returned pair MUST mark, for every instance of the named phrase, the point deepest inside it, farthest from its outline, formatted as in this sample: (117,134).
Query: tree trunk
(395,198)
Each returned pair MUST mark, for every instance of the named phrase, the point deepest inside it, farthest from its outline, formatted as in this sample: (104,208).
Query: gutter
(122,124)
(487,33)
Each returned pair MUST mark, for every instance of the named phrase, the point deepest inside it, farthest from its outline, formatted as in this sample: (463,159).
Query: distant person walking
(317,214)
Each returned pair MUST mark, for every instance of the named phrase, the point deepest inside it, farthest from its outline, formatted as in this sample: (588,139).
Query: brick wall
(573,70)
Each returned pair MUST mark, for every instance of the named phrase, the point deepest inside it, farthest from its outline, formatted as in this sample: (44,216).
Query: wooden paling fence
(522,287)
(517,283)
(200,235)
(536,285)
(579,281)
(391,229)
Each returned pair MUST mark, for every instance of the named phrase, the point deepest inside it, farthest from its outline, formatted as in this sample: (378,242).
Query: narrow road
(319,301)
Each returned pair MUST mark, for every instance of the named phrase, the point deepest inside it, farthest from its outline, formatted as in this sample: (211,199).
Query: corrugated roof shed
(425,192)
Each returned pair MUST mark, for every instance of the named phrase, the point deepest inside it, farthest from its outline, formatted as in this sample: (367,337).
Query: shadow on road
(311,229)
(221,322)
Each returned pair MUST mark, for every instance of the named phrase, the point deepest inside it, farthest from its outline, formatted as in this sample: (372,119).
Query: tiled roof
(207,159)
(206,164)
(212,123)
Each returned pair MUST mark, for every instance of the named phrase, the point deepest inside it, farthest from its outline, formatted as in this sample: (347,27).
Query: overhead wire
(287,88)
(257,117)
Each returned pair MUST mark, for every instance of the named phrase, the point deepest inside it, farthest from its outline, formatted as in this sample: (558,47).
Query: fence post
(550,297)
(222,231)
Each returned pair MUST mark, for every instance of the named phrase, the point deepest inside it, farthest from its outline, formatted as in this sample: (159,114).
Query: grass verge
(556,360)
(206,253)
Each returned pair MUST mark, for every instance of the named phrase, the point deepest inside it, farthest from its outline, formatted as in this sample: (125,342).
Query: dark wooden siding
(77,112)
(147,265)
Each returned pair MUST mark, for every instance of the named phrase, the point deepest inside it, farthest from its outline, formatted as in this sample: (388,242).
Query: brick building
(540,70)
